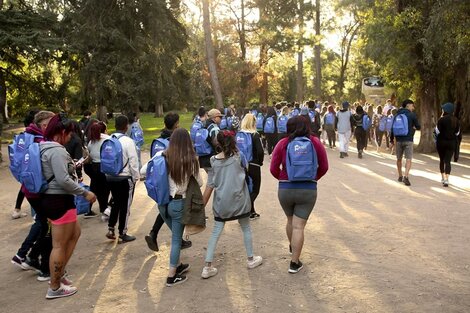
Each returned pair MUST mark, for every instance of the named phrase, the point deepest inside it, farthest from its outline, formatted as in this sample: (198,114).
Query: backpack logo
(158,144)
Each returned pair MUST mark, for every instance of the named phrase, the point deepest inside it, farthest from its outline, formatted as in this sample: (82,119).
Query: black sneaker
(406,181)
(359,155)
(90,214)
(182,268)
(400,179)
(32,264)
(295,267)
(152,242)
(111,235)
(254,216)
(346,154)
(18,261)
(186,244)
(175,280)
(126,238)
(341,155)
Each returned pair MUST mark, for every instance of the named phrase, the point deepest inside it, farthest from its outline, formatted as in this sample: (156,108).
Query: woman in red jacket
(297,198)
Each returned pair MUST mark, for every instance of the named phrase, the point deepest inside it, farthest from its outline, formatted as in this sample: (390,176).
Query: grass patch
(153,126)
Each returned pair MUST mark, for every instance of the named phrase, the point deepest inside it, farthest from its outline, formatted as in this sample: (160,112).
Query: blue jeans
(172,214)
(217,231)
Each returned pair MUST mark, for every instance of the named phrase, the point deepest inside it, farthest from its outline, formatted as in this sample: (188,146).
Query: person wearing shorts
(57,203)
(297,198)
(404,144)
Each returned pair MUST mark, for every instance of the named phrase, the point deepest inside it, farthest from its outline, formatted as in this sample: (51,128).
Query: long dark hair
(298,126)
(181,157)
(226,143)
(57,124)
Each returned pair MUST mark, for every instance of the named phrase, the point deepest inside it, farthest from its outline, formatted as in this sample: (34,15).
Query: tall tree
(211,59)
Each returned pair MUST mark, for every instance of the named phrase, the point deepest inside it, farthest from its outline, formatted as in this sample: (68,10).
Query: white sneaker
(63,291)
(257,260)
(208,271)
(105,214)
(17,214)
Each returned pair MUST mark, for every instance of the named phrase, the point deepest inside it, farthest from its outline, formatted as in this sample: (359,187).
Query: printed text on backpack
(400,125)
(301,161)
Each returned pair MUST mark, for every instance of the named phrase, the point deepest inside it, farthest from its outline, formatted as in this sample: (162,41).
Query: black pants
(157,225)
(379,136)
(330,134)
(457,147)
(39,240)
(255,173)
(19,199)
(446,149)
(271,140)
(98,184)
(123,193)
(361,138)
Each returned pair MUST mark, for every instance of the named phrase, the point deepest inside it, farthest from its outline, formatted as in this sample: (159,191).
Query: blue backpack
(158,144)
(137,135)
(269,126)
(223,123)
(254,112)
(16,152)
(366,122)
(282,124)
(192,131)
(201,145)
(301,160)
(259,121)
(111,156)
(311,115)
(400,125)
(81,203)
(388,125)
(156,182)
(31,170)
(229,122)
(245,144)
(383,123)
(295,112)
(329,119)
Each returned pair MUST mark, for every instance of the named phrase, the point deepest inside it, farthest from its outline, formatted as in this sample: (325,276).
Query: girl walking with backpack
(253,153)
(359,132)
(329,122)
(231,200)
(97,135)
(297,191)
(57,203)
(182,163)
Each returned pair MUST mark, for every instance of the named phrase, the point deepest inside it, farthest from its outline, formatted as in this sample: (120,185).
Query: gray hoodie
(231,195)
(57,162)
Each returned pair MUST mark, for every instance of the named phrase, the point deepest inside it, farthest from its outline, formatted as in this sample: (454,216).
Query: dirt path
(372,245)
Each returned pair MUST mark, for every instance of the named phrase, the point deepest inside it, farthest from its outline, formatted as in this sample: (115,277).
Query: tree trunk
(300,77)
(345,52)
(462,93)
(428,104)
(211,62)
(317,52)
(3,96)
(263,62)
(158,100)
(102,113)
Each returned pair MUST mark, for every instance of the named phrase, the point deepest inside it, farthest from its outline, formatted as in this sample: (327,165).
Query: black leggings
(255,173)
(271,140)
(446,149)
(361,138)
(19,199)
(98,184)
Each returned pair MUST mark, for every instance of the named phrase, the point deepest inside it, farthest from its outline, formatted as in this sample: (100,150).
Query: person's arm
(60,163)
(258,148)
(321,157)
(416,124)
(276,160)
(133,159)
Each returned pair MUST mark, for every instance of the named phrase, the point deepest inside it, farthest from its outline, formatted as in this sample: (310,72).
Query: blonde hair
(249,123)
(285,110)
(42,116)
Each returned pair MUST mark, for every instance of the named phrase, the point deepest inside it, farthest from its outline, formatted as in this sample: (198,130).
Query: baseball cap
(214,113)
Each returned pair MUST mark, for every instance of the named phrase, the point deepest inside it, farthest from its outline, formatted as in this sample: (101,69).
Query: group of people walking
(230,147)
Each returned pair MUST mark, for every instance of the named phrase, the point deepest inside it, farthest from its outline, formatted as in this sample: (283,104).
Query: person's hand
(90,196)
